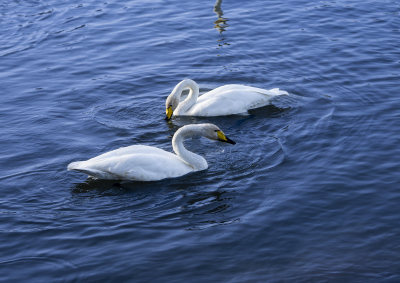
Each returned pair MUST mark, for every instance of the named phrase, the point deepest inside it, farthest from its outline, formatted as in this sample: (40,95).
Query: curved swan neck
(194,160)
(191,99)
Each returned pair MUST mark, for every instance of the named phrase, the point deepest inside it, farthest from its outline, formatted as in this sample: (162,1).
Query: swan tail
(277,91)
(79,166)
(74,165)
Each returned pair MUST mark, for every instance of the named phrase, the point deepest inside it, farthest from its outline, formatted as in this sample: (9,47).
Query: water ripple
(312,177)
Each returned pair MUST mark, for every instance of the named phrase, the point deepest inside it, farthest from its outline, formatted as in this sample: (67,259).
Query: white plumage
(147,163)
(224,100)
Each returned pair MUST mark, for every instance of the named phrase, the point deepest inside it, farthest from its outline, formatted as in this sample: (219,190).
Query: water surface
(310,192)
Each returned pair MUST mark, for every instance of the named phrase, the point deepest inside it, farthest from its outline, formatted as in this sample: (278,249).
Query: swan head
(175,97)
(170,104)
(212,132)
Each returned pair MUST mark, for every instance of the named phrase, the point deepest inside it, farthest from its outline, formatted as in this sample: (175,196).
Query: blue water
(310,192)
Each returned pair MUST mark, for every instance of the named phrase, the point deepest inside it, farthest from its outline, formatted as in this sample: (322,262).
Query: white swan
(147,163)
(224,100)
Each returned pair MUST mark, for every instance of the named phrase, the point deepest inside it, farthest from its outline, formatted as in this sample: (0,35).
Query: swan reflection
(179,203)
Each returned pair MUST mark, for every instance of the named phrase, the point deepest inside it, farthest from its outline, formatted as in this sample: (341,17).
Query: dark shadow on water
(191,202)
(268,111)
(97,187)
(116,187)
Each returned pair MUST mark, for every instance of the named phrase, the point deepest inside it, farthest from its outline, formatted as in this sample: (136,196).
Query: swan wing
(141,163)
(232,99)
(145,149)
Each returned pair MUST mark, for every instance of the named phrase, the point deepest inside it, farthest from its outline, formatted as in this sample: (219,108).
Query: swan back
(232,99)
(135,162)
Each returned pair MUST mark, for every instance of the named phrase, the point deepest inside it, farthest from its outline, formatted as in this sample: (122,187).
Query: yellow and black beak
(223,138)
(168,113)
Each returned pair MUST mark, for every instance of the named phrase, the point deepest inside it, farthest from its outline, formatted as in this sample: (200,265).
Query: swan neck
(191,99)
(192,159)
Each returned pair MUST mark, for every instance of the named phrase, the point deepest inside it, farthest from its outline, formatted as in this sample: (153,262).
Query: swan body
(224,100)
(147,163)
